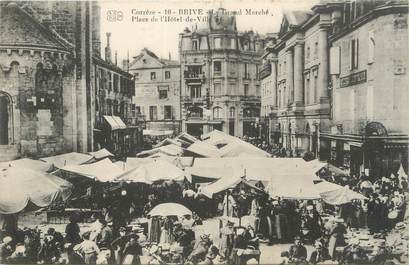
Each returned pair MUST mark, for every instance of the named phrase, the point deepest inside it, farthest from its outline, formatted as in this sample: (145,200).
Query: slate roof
(18,28)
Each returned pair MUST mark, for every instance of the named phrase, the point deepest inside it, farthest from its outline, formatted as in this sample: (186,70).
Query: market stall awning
(260,168)
(341,196)
(170,209)
(103,171)
(115,122)
(317,165)
(27,163)
(203,149)
(217,137)
(235,149)
(179,161)
(157,132)
(166,142)
(211,173)
(67,159)
(20,186)
(156,170)
(170,149)
(101,154)
(293,186)
(223,184)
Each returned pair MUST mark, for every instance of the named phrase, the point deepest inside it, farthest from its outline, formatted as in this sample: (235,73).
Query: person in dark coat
(72,232)
(297,252)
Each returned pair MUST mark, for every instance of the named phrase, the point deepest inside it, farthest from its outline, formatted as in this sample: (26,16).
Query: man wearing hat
(298,253)
(119,243)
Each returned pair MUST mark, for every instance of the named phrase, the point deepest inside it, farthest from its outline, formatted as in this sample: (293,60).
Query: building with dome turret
(220,87)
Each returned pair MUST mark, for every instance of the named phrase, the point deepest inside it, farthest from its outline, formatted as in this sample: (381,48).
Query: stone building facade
(369,64)
(297,79)
(43,55)
(220,86)
(47,77)
(157,92)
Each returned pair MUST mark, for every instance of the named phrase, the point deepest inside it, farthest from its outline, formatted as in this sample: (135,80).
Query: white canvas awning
(67,159)
(103,171)
(115,122)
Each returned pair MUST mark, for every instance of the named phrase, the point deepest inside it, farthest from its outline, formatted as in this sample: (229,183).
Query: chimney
(170,57)
(116,58)
(108,49)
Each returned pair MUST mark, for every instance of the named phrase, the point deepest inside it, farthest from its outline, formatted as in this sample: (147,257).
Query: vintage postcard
(204,132)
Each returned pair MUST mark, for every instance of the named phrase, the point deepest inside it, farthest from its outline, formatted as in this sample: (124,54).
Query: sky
(126,20)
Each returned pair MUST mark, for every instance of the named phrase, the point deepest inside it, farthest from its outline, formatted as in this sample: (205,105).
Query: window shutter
(162,112)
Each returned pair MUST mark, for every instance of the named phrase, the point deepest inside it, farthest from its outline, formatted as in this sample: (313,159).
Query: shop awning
(115,122)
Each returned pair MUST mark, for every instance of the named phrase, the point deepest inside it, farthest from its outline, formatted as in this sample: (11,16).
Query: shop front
(375,153)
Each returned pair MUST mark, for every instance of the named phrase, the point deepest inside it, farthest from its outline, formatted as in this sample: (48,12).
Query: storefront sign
(353,79)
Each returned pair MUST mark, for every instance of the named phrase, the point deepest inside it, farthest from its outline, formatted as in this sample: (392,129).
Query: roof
(115,122)
(99,61)
(18,28)
(161,61)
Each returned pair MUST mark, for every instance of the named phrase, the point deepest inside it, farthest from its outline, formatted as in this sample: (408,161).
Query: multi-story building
(220,86)
(117,125)
(157,91)
(369,77)
(296,77)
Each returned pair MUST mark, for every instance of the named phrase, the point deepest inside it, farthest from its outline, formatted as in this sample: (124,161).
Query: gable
(145,60)
(17,28)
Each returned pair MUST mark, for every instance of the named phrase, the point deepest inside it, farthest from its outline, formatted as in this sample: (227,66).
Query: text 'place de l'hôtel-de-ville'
(331,82)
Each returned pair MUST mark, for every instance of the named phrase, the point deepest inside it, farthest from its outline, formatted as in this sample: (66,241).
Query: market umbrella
(341,196)
(170,209)
(19,186)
